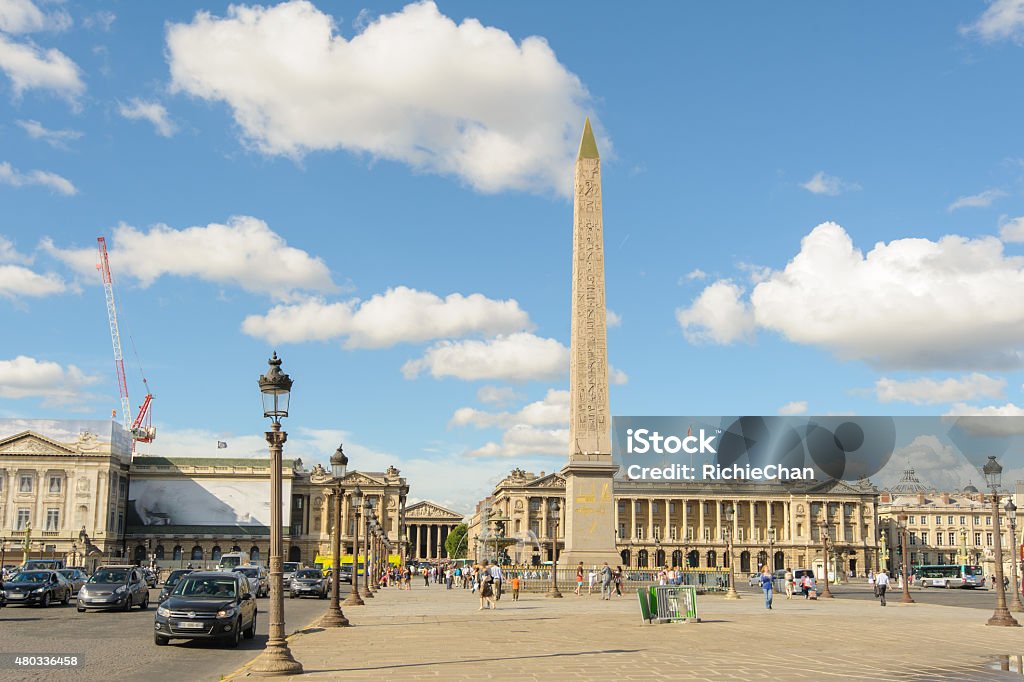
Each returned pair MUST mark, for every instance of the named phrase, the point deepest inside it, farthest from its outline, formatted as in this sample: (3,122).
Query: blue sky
(808,209)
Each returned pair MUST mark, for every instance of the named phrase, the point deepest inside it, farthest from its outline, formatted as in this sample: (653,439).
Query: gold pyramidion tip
(588,146)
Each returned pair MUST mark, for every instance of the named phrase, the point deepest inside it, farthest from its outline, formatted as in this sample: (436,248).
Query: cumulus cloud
(794,407)
(142,110)
(15,178)
(980,200)
(613,318)
(830,185)
(498,395)
(245,252)
(617,376)
(697,274)
(552,410)
(17,281)
(523,440)
(718,315)
(27,377)
(909,303)
(512,357)
(57,139)
(988,420)
(24,16)
(1012,231)
(937,465)
(931,391)
(10,254)
(400,315)
(1001,20)
(31,67)
(413,86)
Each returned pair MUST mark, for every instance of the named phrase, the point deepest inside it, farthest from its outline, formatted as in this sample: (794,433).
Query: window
(977,519)
(159,552)
(657,532)
(963,520)
(671,507)
(977,539)
(639,532)
(622,507)
(913,537)
(707,533)
(952,539)
(924,538)
(254,554)
(215,553)
(25,485)
(949,520)
(176,555)
(622,530)
(197,553)
(938,519)
(654,507)
(674,532)
(938,538)
(120,523)
(52,519)
(636,506)
(988,520)
(122,487)
(910,520)
(23,519)
(988,539)
(55,483)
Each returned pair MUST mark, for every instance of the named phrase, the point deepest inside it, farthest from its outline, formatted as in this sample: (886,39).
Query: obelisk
(589,499)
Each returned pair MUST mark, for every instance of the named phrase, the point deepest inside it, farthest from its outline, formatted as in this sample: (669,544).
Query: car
(149,575)
(114,587)
(43,565)
(288,570)
(207,605)
(754,580)
(75,577)
(309,582)
(345,575)
(37,587)
(259,579)
(171,582)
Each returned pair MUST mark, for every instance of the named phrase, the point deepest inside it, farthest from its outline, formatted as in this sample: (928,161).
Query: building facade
(428,525)
(658,524)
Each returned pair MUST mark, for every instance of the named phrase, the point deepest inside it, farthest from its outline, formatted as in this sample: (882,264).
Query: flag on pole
(221,445)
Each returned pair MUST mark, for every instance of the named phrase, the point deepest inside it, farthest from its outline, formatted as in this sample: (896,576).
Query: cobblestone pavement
(431,633)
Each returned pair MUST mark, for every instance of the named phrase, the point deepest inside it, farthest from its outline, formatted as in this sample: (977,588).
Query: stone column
(650,519)
(686,520)
(545,510)
(753,525)
(768,519)
(632,518)
(700,509)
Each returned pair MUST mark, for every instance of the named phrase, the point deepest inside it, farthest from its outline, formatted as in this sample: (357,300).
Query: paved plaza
(431,633)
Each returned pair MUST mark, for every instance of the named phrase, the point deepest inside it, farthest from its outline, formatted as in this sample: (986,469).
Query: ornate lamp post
(367,593)
(883,553)
(731,592)
(553,590)
(905,560)
(1011,513)
(771,549)
(334,618)
(276,388)
(3,553)
(356,502)
(993,476)
(826,529)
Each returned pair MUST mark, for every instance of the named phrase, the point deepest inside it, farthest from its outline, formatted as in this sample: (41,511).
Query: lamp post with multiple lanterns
(826,530)
(731,592)
(993,471)
(367,592)
(334,618)
(276,388)
(904,560)
(553,590)
(356,502)
(1011,513)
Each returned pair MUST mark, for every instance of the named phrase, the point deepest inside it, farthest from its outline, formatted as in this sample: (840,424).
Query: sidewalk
(433,633)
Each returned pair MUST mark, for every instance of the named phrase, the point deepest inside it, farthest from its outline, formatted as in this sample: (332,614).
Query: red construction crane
(141,428)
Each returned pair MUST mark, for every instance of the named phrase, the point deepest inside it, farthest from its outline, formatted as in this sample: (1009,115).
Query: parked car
(755,580)
(149,575)
(207,605)
(171,583)
(345,575)
(114,587)
(259,579)
(309,582)
(37,587)
(43,565)
(289,568)
(75,577)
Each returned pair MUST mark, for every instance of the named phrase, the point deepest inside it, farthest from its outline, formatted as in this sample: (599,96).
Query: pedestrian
(579,578)
(766,586)
(789,583)
(805,586)
(497,578)
(606,582)
(881,585)
(618,580)
(591,579)
(426,578)
(515,587)
(487,600)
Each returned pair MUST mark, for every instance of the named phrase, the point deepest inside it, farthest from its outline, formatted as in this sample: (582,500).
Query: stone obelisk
(589,499)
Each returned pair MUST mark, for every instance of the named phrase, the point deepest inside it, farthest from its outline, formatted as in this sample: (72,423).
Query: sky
(809,208)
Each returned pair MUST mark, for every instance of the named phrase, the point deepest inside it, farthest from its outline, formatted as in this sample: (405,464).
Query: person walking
(497,578)
(881,585)
(591,579)
(606,582)
(789,583)
(579,578)
(766,586)
(487,600)
(426,578)
(805,586)
(515,587)
(618,581)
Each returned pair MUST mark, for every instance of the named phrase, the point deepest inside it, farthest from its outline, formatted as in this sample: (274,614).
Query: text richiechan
(715,472)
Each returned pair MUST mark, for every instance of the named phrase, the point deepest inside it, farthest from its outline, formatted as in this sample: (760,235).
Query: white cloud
(57,139)
(617,377)
(980,200)
(513,357)
(245,252)
(931,392)
(552,410)
(9,254)
(794,407)
(523,440)
(1001,20)
(1012,231)
(102,20)
(613,318)
(989,420)
(17,281)
(718,315)
(937,465)
(498,395)
(911,303)
(141,110)
(31,67)
(413,86)
(697,274)
(26,377)
(15,178)
(822,183)
(24,16)
(400,315)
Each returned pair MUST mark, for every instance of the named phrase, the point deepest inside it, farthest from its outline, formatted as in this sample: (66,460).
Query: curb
(245,666)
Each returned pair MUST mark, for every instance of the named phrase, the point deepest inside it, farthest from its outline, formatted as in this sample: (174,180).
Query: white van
(232,560)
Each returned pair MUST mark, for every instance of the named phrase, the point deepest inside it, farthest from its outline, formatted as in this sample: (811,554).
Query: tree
(456,545)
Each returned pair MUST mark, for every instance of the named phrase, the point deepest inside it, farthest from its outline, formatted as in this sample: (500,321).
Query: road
(973,599)
(119,646)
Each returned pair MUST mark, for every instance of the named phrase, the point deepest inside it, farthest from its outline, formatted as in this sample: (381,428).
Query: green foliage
(456,545)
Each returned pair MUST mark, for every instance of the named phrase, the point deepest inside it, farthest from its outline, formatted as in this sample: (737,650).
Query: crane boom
(115,334)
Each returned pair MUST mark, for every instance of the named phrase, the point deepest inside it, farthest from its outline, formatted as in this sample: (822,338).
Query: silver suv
(114,587)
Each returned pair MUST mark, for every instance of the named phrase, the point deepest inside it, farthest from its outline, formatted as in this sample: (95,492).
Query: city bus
(949,576)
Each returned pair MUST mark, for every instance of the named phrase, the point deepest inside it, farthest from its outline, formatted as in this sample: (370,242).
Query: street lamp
(731,592)
(826,529)
(366,593)
(276,386)
(356,503)
(74,554)
(3,553)
(993,476)
(334,618)
(905,559)
(553,590)
(771,549)
(883,553)
(1011,512)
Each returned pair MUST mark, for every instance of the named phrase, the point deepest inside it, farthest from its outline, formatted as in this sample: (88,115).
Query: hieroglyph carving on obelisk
(590,425)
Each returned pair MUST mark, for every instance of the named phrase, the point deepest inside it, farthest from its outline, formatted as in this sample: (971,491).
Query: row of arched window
(196,554)
(643,559)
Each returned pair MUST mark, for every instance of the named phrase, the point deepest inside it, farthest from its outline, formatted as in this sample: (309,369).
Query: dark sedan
(37,587)
(207,605)
(76,577)
(171,583)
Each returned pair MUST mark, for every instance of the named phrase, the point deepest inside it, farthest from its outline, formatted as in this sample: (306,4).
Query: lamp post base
(826,594)
(276,659)
(365,593)
(1003,618)
(334,618)
(553,593)
(1017,607)
(731,593)
(353,599)
(907,599)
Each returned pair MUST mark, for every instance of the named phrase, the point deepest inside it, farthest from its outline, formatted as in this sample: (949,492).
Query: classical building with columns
(428,525)
(661,524)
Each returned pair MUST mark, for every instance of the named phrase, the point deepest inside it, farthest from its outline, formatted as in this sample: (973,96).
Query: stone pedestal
(590,517)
